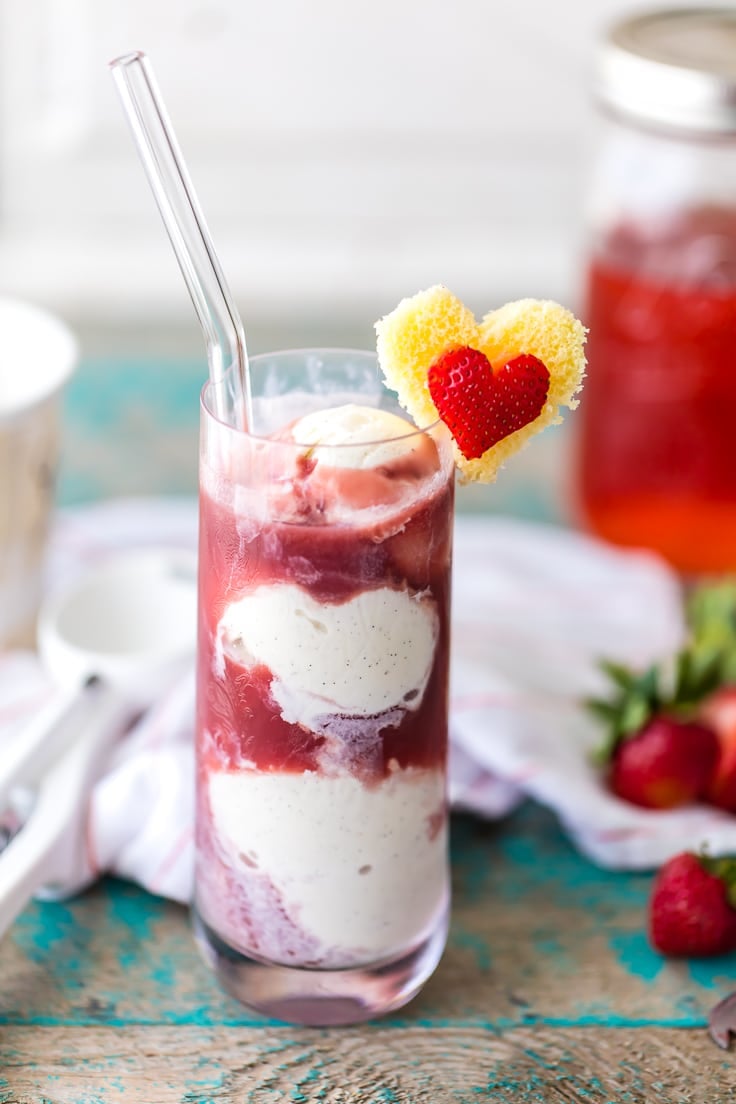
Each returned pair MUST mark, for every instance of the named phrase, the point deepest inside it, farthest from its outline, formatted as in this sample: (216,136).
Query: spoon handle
(50,847)
(44,738)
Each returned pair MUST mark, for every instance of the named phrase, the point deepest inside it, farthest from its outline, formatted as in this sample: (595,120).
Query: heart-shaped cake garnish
(479,406)
(497,401)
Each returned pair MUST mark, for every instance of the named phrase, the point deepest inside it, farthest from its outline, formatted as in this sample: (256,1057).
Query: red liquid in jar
(658,449)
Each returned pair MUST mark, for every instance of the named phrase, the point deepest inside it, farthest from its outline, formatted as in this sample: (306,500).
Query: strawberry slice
(479,406)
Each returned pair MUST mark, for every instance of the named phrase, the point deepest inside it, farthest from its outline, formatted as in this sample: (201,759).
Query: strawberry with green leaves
(657,752)
(692,909)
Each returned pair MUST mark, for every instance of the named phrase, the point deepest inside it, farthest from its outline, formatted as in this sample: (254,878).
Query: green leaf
(724,868)
(634,715)
(698,672)
(605,710)
(619,674)
(707,670)
(602,755)
(634,698)
(683,672)
(711,609)
(647,685)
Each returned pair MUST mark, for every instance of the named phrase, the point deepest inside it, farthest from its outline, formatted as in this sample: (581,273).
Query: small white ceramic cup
(131,620)
(38,354)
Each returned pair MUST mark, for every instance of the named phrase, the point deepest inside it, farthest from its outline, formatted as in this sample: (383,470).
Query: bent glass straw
(186,227)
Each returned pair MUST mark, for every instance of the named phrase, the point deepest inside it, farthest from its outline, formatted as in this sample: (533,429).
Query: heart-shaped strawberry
(479,406)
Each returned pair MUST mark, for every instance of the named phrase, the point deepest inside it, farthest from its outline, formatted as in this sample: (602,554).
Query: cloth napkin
(534,609)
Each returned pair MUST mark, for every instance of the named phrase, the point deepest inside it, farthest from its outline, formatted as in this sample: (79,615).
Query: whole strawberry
(658,753)
(692,907)
(668,763)
(720,713)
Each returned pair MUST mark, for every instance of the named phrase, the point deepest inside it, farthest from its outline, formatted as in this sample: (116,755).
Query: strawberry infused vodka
(322,708)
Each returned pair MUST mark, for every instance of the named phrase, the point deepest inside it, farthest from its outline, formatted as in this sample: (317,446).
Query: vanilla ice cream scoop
(350,459)
(357,436)
(356,658)
(359,866)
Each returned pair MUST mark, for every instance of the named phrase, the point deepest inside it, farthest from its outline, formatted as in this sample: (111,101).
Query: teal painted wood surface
(130,427)
(539,935)
(548,991)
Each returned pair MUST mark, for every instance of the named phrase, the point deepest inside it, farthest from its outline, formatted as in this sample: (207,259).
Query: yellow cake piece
(413,336)
(433,322)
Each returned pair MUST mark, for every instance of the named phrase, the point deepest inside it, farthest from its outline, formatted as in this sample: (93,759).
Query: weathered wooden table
(548,990)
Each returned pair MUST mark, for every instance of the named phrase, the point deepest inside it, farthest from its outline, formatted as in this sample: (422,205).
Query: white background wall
(346,153)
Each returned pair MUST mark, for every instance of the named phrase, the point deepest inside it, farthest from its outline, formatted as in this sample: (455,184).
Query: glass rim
(210,385)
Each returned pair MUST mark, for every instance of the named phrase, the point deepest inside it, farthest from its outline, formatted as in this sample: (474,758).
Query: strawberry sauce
(281,765)
(658,452)
(333,564)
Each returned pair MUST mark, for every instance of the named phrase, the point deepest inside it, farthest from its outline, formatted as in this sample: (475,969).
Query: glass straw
(186,227)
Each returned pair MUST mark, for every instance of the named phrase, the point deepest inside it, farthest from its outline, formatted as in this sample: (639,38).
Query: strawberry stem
(707,662)
(723,868)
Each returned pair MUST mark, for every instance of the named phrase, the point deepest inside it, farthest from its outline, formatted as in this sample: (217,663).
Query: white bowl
(131,620)
(38,353)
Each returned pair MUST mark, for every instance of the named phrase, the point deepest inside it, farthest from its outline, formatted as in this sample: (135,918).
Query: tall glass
(322,876)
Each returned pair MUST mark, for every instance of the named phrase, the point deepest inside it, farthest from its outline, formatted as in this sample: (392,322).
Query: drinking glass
(324,601)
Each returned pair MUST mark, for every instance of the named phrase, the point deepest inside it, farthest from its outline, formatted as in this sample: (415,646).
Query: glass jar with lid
(657,458)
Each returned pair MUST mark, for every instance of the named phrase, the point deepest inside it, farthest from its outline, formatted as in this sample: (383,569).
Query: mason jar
(657,457)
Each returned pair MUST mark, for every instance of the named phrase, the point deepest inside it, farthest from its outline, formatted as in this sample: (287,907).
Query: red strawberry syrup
(658,449)
(333,564)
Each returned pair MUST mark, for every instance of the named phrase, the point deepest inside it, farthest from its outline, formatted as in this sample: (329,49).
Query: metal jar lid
(674,69)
